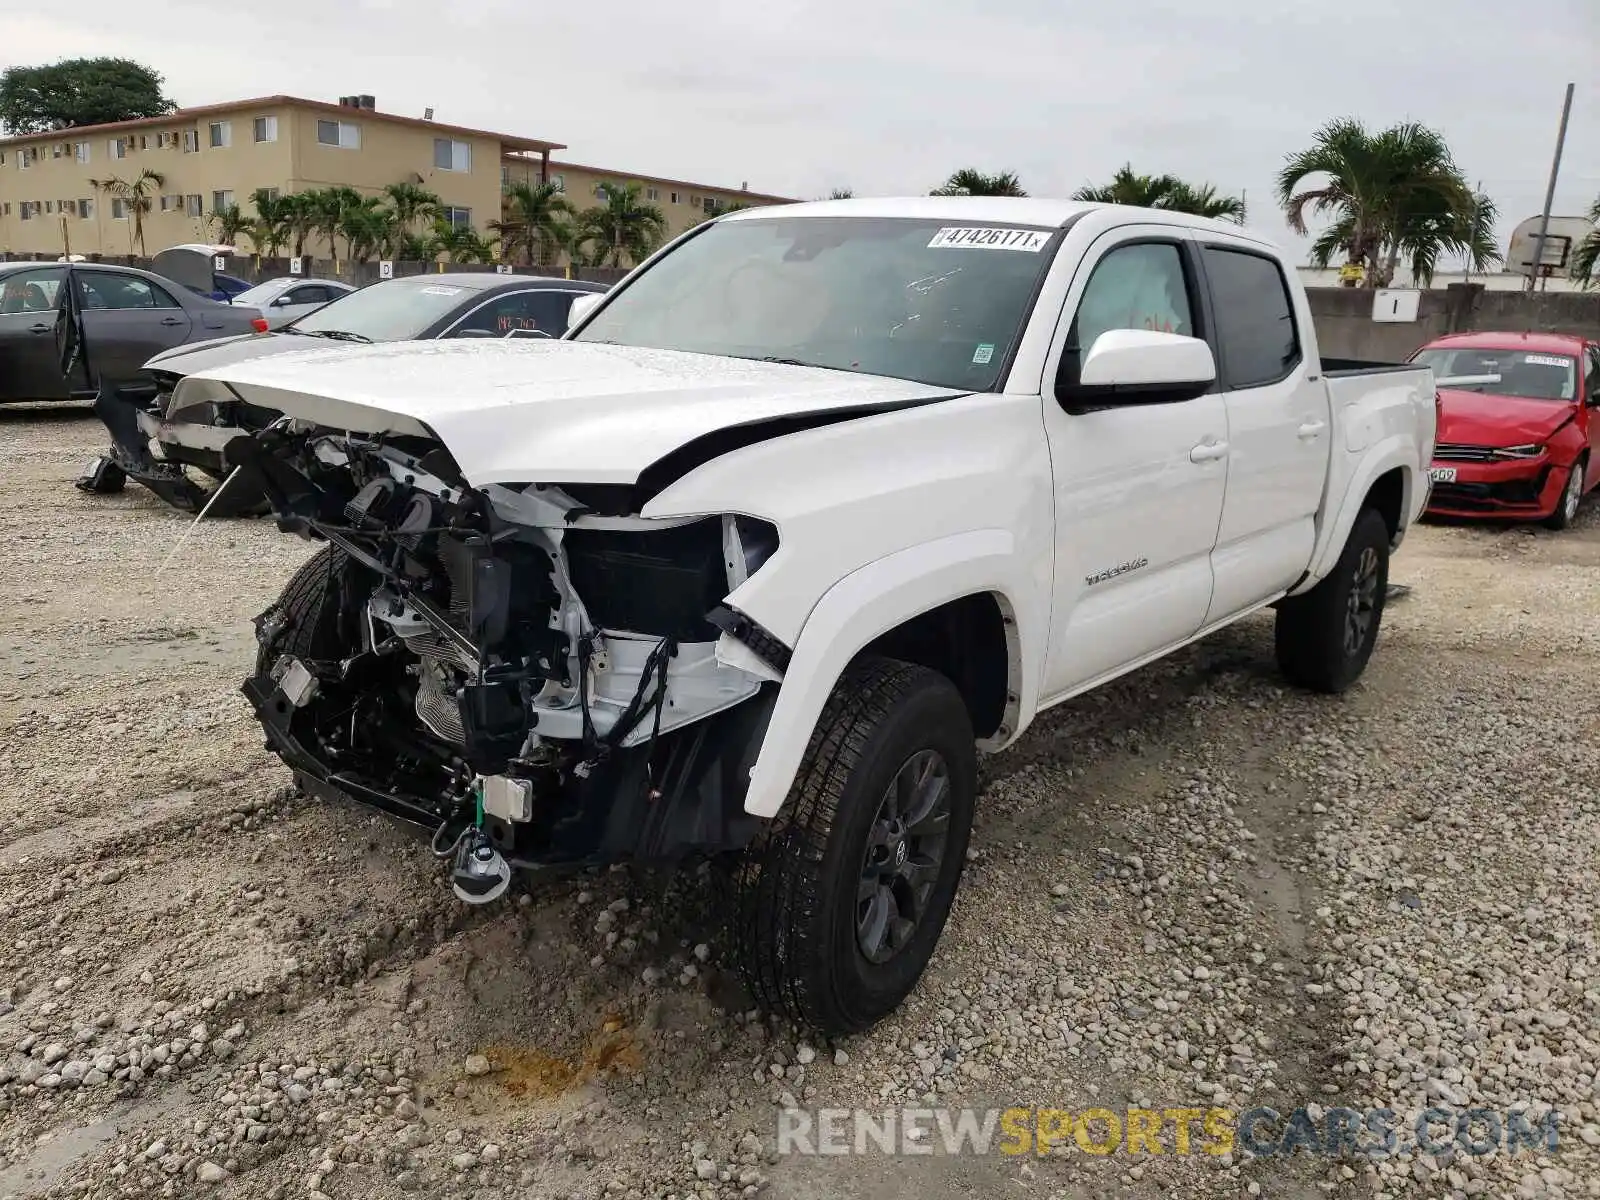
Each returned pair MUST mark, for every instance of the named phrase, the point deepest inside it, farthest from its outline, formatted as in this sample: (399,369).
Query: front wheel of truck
(1325,636)
(840,904)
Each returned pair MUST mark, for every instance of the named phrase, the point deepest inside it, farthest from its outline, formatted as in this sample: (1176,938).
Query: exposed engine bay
(529,672)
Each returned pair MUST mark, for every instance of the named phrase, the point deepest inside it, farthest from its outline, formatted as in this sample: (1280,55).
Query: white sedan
(288,298)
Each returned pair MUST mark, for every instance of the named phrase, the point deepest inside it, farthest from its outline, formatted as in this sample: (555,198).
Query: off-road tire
(1310,634)
(312,609)
(1561,518)
(794,920)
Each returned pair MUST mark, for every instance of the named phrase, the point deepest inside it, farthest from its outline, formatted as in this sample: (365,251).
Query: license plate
(1442,474)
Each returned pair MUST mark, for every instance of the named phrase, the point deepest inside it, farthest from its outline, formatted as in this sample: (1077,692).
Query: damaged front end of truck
(530,674)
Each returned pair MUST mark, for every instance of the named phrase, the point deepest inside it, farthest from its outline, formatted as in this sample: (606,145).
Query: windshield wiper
(338,335)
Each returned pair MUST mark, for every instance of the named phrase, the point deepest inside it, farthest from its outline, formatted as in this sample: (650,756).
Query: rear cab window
(1258,340)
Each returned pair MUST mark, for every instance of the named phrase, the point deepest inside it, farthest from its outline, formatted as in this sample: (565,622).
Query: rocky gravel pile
(1196,889)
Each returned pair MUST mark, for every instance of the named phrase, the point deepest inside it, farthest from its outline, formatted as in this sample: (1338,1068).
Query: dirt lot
(1192,889)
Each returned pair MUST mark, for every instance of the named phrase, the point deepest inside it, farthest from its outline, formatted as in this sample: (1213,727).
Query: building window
(26,158)
(712,204)
(451,155)
(59,150)
(25,212)
(49,207)
(599,191)
(192,206)
(171,203)
(677,197)
(221,200)
(559,182)
(457,218)
(144,142)
(270,193)
(80,151)
(119,209)
(191,141)
(117,147)
(221,135)
(344,134)
(652,194)
(85,210)
(265,129)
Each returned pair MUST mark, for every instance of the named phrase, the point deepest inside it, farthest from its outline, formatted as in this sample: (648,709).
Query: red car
(1519,425)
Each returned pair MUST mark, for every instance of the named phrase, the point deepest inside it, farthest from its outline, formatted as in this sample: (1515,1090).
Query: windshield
(914,299)
(392,310)
(263,293)
(1520,373)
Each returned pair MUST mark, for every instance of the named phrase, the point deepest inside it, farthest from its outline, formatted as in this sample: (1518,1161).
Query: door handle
(1311,428)
(40,328)
(171,321)
(1208,452)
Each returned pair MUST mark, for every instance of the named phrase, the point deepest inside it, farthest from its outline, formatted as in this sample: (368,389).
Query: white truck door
(1138,487)
(1279,427)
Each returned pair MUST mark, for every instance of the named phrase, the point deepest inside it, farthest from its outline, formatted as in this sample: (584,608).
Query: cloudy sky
(888,96)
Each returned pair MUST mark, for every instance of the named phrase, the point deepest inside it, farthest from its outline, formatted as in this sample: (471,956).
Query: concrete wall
(1345,328)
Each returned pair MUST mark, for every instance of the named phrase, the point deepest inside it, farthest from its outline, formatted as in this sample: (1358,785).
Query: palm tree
(1586,260)
(228,223)
(462,243)
(328,207)
(621,228)
(368,227)
(270,229)
(412,203)
(970,182)
(1390,194)
(1166,192)
(137,196)
(417,247)
(535,222)
(299,211)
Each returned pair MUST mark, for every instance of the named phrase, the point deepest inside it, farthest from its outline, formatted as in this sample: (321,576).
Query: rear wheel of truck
(1325,637)
(840,905)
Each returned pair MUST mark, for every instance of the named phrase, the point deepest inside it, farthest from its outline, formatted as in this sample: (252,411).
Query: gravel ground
(1195,888)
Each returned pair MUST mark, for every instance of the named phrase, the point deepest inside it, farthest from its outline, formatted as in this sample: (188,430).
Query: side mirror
(527,333)
(281,302)
(1136,366)
(582,307)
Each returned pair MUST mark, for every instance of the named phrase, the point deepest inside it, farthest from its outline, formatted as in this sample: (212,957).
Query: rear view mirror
(582,307)
(1136,366)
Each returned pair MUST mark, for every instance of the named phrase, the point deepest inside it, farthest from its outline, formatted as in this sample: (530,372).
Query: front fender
(869,602)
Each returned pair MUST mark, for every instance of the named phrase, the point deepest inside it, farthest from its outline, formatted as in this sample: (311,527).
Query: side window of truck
(1256,331)
(1138,286)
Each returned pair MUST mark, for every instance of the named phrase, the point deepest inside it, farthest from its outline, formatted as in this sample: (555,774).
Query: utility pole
(1477,203)
(1550,195)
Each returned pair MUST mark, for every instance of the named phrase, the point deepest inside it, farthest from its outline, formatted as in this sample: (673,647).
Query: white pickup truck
(816,501)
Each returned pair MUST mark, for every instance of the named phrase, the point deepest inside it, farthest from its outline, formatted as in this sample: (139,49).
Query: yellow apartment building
(212,156)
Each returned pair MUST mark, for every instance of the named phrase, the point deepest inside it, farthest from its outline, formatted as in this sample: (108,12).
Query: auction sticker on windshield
(440,291)
(973,238)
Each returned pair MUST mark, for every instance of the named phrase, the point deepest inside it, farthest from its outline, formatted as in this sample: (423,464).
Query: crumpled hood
(1479,419)
(239,347)
(522,411)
